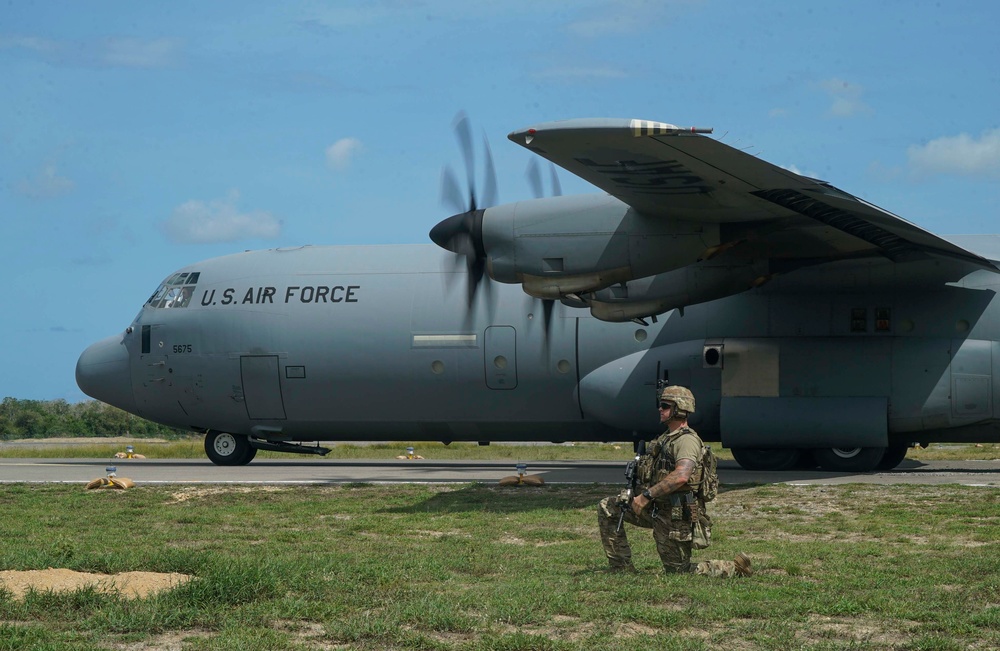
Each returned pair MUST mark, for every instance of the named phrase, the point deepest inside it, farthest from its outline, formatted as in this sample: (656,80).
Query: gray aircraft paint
(303,369)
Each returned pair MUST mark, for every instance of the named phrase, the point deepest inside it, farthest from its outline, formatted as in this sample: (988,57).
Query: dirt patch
(163,642)
(849,632)
(131,585)
(196,493)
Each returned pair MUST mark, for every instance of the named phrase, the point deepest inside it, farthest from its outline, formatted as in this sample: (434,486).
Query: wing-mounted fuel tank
(566,245)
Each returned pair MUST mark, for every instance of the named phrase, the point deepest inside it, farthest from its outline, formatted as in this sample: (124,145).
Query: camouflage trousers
(673,536)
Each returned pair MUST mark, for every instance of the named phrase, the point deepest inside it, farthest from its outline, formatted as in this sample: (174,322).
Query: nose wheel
(225,449)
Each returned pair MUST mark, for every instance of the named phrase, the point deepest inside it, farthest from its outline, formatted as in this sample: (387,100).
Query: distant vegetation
(27,419)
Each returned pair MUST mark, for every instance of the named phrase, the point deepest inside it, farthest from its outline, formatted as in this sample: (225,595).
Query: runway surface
(296,471)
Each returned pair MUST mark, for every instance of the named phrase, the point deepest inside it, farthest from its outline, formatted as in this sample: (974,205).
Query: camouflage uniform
(673,518)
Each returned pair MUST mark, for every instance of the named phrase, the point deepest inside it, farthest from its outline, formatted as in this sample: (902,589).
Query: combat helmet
(680,396)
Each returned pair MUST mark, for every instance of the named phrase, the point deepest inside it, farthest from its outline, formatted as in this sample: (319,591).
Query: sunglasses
(666,405)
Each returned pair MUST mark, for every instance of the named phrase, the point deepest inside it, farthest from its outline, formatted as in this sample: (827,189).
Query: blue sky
(138,137)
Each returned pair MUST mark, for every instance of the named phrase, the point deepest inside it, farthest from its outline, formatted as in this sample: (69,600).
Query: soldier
(670,475)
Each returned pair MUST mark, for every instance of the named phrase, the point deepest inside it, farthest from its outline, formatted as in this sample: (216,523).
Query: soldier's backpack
(708,487)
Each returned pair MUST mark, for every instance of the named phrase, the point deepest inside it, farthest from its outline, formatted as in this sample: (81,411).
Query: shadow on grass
(491,498)
(509,499)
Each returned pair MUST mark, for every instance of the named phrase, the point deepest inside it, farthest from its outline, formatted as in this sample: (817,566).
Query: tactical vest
(658,462)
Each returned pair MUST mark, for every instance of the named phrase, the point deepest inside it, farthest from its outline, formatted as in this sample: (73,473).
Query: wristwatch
(646,494)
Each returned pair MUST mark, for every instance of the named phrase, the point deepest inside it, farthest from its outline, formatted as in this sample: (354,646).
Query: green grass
(193,448)
(482,567)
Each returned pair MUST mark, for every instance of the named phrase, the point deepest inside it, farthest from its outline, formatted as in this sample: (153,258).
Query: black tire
(249,455)
(225,449)
(848,459)
(767,459)
(894,455)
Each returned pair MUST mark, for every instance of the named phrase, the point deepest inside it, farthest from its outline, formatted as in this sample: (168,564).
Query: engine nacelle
(575,244)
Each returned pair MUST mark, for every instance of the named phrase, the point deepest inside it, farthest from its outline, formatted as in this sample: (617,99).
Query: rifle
(630,480)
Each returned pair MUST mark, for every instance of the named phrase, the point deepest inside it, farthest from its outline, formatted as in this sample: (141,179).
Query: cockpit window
(176,291)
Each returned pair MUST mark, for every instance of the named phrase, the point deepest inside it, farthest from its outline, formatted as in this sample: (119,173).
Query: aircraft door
(499,345)
(149,368)
(262,387)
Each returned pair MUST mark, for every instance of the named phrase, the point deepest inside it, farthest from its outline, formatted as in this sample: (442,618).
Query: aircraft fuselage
(378,343)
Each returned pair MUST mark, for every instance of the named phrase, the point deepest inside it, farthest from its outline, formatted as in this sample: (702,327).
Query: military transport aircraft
(811,325)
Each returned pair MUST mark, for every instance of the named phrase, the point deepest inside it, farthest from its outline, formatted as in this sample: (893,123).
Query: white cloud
(580,73)
(35,43)
(138,53)
(219,220)
(46,184)
(961,154)
(624,17)
(846,97)
(114,52)
(795,170)
(340,154)
(340,17)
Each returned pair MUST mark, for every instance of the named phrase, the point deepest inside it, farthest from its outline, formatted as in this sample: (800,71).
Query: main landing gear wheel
(848,459)
(894,455)
(761,459)
(225,449)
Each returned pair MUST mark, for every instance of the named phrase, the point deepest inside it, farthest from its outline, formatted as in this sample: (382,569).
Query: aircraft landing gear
(225,449)
(829,459)
(772,459)
(894,455)
(848,459)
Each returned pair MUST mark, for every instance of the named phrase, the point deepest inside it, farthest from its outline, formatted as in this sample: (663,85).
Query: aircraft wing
(662,170)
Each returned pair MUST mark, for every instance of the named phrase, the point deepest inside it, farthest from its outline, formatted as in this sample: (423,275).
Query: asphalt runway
(315,471)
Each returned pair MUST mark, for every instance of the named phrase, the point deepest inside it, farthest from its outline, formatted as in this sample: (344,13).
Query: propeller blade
(489,176)
(451,193)
(547,305)
(534,176)
(463,131)
(476,268)
(556,187)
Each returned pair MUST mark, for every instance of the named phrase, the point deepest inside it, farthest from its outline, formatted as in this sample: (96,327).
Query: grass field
(482,567)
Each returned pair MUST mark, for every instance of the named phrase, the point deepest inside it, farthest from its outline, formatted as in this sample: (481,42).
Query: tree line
(25,419)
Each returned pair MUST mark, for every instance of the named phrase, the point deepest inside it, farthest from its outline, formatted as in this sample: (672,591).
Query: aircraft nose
(102,372)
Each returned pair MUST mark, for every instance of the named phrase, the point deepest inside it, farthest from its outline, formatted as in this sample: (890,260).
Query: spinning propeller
(462,233)
(534,175)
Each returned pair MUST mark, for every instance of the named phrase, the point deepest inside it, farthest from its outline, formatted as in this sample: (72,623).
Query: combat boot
(625,568)
(743,566)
